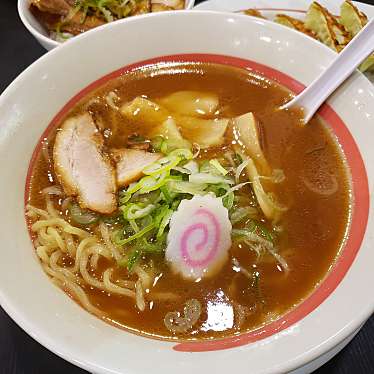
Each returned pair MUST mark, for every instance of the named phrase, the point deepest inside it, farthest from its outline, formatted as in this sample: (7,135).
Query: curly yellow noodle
(70,245)
(34,212)
(53,263)
(42,252)
(94,260)
(109,244)
(45,239)
(102,250)
(57,238)
(111,287)
(54,273)
(61,223)
(83,261)
(107,285)
(126,284)
(81,247)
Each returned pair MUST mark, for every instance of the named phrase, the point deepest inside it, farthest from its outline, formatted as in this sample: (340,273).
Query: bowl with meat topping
(53,22)
(160,203)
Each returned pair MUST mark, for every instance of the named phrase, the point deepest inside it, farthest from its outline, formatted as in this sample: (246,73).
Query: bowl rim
(23,8)
(32,331)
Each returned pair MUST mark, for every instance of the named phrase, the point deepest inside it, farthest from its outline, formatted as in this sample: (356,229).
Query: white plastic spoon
(357,50)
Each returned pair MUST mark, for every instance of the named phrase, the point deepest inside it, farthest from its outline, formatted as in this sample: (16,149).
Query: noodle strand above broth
(184,205)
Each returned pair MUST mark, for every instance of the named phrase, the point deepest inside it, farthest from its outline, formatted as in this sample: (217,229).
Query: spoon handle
(357,50)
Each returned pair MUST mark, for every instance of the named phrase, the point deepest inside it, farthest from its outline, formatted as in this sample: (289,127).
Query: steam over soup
(178,201)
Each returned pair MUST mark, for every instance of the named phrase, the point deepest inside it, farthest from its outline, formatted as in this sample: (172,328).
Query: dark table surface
(20,354)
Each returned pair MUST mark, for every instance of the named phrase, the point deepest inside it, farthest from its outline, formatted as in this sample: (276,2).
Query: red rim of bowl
(355,163)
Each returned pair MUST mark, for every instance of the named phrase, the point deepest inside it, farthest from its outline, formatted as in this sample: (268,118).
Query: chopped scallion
(215,163)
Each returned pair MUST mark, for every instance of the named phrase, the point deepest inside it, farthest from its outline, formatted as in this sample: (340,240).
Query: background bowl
(29,104)
(40,33)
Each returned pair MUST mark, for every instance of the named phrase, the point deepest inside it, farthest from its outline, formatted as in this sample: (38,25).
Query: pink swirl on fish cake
(204,241)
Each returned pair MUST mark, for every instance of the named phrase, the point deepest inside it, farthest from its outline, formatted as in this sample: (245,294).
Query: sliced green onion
(157,143)
(175,204)
(152,183)
(124,198)
(160,213)
(157,246)
(257,228)
(166,194)
(241,213)
(129,210)
(192,166)
(222,190)
(215,163)
(206,167)
(184,153)
(208,178)
(175,178)
(181,169)
(150,198)
(228,200)
(133,259)
(187,187)
(264,231)
(132,188)
(117,236)
(135,211)
(138,235)
(145,221)
(134,225)
(163,165)
(164,222)
(164,147)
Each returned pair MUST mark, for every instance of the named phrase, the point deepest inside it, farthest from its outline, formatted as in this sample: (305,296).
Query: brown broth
(314,225)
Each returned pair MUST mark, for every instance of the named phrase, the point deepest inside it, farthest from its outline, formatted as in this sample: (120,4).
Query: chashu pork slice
(131,163)
(82,167)
(61,7)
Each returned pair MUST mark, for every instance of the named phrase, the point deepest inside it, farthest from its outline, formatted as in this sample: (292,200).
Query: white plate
(295,8)
(270,8)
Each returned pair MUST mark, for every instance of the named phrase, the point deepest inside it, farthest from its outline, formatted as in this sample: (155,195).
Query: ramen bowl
(299,341)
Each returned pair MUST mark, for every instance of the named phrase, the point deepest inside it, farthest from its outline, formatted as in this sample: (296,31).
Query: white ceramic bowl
(40,33)
(317,328)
